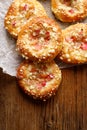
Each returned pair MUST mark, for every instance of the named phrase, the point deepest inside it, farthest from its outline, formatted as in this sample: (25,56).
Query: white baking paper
(9,58)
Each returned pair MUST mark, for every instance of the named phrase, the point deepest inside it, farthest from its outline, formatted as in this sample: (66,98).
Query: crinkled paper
(9,58)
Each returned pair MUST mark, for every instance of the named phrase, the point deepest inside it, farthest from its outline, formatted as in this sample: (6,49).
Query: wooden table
(66,111)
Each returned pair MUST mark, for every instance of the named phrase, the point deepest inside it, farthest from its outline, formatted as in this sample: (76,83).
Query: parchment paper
(9,58)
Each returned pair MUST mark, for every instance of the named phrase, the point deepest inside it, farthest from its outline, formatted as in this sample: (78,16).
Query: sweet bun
(75,44)
(19,12)
(40,40)
(40,81)
(69,10)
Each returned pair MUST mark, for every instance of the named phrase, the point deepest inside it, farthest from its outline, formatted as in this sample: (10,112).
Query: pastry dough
(40,81)
(40,40)
(20,12)
(69,10)
(75,44)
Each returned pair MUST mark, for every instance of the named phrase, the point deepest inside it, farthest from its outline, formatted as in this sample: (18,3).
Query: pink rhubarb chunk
(25,7)
(47,36)
(41,85)
(38,46)
(13,23)
(84,46)
(71,11)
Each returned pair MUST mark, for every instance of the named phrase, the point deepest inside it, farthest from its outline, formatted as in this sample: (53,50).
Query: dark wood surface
(66,111)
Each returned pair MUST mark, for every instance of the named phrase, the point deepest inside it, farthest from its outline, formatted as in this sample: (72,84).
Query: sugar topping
(39,80)
(75,44)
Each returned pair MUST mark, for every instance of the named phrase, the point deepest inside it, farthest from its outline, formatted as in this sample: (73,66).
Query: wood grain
(66,111)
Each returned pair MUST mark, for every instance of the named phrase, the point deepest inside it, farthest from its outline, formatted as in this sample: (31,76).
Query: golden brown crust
(69,11)
(19,12)
(40,39)
(40,81)
(75,44)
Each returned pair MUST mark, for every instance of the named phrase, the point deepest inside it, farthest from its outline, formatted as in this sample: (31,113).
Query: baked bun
(40,40)
(75,44)
(40,81)
(20,12)
(69,10)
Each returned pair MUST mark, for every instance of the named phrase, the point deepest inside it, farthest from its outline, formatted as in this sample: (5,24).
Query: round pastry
(40,81)
(75,44)
(69,10)
(40,40)
(20,12)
